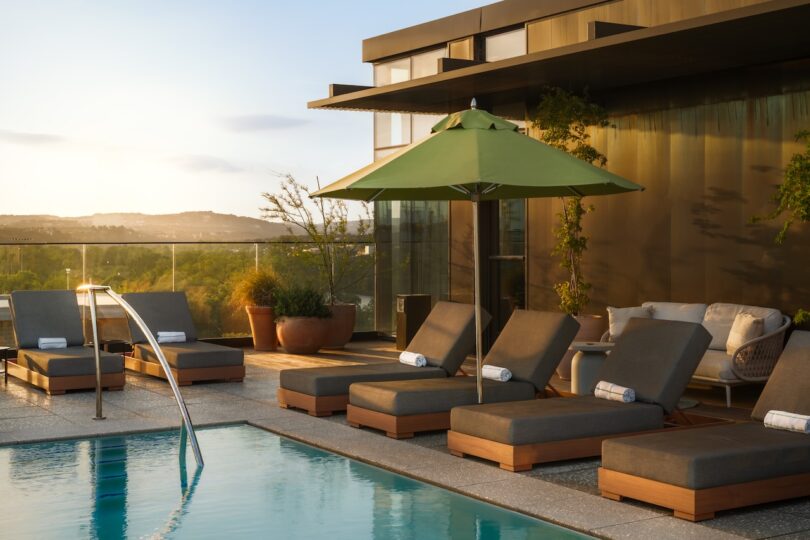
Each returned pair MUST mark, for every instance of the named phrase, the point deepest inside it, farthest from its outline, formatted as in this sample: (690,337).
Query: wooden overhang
(760,34)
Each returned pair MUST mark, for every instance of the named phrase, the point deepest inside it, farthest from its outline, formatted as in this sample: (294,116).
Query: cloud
(30,139)
(261,122)
(203,163)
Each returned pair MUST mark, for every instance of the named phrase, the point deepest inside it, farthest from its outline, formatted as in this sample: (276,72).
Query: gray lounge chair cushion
(39,314)
(788,389)
(656,359)
(69,362)
(162,312)
(532,344)
(400,398)
(196,354)
(447,336)
(335,381)
(559,419)
(710,457)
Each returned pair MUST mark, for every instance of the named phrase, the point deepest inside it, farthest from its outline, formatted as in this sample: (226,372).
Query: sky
(162,106)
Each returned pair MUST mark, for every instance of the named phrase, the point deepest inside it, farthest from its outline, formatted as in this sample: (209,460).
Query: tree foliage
(564,119)
(326,227)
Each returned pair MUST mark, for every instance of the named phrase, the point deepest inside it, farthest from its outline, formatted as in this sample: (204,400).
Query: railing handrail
(179,243)
(187,425)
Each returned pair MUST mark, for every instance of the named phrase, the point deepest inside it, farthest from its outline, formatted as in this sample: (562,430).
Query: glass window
(421,124)
(462,49)
(412,254)
(391,129)
(425,64)
(506,45)
(392,72)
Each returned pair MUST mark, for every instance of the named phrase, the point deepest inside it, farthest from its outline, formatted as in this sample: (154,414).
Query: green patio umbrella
(475,156)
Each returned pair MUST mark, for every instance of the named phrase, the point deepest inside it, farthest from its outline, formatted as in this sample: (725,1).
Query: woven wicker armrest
(606,337)
(754,360)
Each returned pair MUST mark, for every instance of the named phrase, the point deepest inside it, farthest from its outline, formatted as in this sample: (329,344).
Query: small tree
(327,227)
(792,198)
(563,119)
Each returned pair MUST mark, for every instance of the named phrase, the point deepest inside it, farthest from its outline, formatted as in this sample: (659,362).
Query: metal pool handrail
(91,291)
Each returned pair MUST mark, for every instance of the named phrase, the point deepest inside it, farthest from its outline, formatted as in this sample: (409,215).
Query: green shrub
(300,302)
(257,288)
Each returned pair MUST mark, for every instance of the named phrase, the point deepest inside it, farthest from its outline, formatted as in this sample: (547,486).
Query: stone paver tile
(457,473)
(759,522)
(22,411)
(519,492)
(589,512)
(663,528)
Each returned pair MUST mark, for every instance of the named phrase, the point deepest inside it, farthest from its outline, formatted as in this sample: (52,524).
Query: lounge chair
(55,314)
(655,358)
(445,339)
(191,361)
(700,472)
(530,345)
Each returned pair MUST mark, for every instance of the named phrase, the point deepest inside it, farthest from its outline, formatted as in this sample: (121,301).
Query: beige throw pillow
(619,317)
(745,328)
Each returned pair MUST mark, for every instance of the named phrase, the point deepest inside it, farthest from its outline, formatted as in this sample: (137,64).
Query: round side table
(586,365)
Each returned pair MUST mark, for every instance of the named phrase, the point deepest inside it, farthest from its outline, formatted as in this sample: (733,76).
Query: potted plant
(326,224)
(302,319)
(563,119)
(792,198)
(255,291)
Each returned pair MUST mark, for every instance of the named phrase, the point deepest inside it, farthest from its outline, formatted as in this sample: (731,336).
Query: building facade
(704,97)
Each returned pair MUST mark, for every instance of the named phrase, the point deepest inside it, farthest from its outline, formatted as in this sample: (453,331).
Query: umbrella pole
(477,276)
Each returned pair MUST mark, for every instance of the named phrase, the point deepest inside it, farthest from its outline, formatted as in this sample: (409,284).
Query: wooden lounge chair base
(55,386)
(397,427)
(523,457)
(701,504)
(185,377)
(314,405)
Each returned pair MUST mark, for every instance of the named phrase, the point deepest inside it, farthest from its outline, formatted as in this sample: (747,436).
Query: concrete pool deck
(563,493)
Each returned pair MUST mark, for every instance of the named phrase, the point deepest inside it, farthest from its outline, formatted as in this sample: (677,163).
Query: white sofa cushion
(715,365)
(745,328)
(720,317)
(619,317)
(677,311)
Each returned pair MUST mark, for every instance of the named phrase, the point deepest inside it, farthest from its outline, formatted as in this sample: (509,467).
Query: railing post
(173,267)
(256,250)
(84,263)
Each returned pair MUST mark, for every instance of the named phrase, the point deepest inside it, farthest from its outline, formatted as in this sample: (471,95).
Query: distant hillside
(131,227)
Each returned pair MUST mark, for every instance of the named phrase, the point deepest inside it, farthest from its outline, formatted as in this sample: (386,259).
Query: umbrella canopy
(476,156)
(476,152)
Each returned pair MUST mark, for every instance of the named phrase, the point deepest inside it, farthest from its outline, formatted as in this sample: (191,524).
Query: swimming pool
(255,485)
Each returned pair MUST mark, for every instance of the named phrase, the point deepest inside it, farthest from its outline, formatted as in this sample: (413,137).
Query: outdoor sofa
(700,472)
(748,362)
(531,346)
(190,361)
(654,358)
(55,314)
(445,339)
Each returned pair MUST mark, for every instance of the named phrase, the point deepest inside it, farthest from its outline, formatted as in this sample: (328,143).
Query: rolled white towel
(413,359)
(614,392)
(787,420)
(171,337)
(496,373)
(52,343)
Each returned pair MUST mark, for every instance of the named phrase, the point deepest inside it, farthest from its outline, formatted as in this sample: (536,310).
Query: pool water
(254,485)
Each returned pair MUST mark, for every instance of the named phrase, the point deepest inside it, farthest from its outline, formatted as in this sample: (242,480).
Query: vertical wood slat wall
(707,170)
(571,28)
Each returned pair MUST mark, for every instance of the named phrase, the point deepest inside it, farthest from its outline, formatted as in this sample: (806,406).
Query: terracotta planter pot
(262,327)
(341,325)
(591,328)
(302,335)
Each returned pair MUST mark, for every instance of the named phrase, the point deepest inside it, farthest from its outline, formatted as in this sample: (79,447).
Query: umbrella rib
(461,189)
(575,191)
(376,195)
